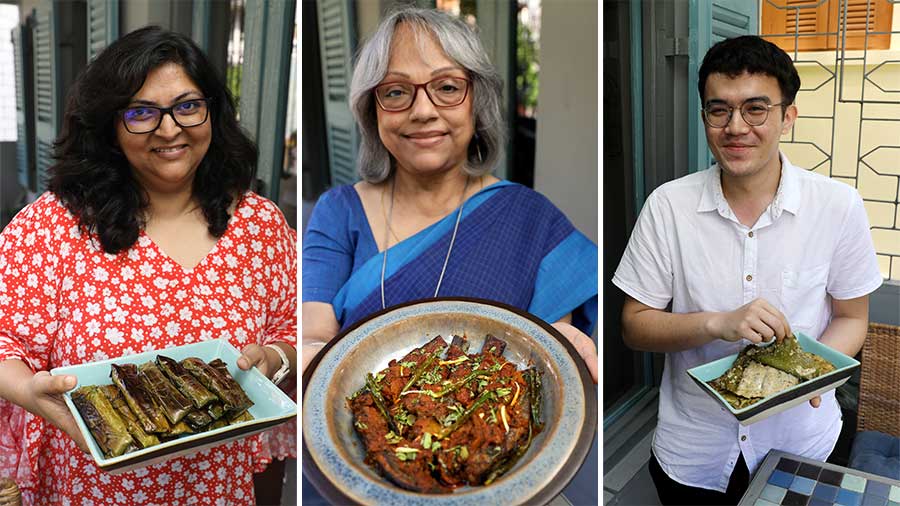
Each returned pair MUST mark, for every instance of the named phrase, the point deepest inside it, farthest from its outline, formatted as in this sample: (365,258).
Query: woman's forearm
(14,375)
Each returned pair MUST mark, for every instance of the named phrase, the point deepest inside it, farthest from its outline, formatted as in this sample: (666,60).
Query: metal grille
(862,89)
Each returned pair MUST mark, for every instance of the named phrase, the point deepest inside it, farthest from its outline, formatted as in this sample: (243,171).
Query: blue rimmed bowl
(333,455)
(270,407)
(776,403)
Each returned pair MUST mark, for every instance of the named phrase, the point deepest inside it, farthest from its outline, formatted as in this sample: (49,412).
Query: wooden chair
(876,447)
(879,384)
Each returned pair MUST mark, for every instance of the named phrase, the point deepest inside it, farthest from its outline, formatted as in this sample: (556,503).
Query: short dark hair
(754,55)
(92,176)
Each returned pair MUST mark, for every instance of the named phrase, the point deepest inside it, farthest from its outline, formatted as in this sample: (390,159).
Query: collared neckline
(787,196)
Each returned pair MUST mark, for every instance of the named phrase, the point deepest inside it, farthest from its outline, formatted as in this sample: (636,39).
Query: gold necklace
(462,201)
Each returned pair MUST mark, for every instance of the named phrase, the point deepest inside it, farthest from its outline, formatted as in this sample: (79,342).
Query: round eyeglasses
(144,119)
(443,92)
(754,111)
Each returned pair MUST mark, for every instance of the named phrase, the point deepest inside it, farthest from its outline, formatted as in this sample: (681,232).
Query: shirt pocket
(803,295)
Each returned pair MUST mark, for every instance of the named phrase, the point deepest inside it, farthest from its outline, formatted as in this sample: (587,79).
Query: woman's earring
(478,149)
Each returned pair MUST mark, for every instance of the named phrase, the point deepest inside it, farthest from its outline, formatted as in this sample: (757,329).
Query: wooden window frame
(820,25)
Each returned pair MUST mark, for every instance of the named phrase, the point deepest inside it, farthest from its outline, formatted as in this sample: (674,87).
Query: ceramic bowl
(270,405)
(333,455)
(797,394)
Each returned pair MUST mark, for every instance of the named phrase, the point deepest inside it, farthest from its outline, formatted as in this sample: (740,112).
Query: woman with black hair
(148,238)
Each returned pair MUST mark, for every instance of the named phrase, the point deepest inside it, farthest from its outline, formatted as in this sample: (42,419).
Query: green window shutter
(711,21)
(268,32)
(21,36)
(337,41)
(46,89)
(60,51)
(102,25)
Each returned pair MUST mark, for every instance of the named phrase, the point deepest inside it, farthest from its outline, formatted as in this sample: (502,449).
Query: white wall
(566,154)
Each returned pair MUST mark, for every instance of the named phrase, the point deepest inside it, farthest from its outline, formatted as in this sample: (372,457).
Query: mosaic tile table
(787,479)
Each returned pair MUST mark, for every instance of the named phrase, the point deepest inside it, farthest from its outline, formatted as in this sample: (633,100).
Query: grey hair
(461,44)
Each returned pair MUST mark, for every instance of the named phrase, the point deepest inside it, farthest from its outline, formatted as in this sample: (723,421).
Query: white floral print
(64,301)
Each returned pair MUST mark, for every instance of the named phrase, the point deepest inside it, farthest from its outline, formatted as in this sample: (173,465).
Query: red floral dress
(64,301)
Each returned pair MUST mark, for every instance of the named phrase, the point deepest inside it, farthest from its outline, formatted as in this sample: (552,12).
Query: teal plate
(270,407)
(333,455)
(797,394)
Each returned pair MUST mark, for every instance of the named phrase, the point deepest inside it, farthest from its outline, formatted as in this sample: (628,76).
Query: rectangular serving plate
(797,394)
(270,407)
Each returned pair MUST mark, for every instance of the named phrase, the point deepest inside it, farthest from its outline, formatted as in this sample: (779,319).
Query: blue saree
(512,246)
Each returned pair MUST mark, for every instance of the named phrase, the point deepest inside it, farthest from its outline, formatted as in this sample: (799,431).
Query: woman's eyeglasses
(443,92)
(147,118)
(754,111)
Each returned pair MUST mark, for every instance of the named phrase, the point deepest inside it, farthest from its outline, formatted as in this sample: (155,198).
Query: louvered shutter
(103,25)
(268,31)
(812,20)
(24,105)
(878,14)
(711,21)
(337,42)
(46,90)
(803,20)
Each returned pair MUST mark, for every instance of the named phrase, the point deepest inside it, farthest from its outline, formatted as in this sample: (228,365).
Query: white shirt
(810,245)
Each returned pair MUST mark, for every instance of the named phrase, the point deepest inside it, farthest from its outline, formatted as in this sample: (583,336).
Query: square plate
(270,407)
(768,406)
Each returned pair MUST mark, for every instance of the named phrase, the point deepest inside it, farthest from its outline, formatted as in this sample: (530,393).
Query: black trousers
(673,493)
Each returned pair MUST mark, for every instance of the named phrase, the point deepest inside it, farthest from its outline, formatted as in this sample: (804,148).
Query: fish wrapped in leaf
(737,401)
(216,378)
(789,357)
(731,379)
(218,424)
(199,395)
(173,403)
(104,422)
(761,380)
(139,398)
(243,416)
(198,419)
(142,437)
(178,429)
(216,410)
(760,372)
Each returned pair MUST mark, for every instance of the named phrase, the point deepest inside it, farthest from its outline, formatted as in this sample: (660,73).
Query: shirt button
(743,438)
(749,277)
(750,234)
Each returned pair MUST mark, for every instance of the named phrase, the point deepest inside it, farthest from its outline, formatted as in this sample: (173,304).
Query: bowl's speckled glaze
(333,455)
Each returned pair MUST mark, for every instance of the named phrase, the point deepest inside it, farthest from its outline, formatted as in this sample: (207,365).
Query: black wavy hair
(754,55)
(92,177)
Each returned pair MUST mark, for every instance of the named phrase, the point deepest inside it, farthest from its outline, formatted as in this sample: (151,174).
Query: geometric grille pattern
(848,126)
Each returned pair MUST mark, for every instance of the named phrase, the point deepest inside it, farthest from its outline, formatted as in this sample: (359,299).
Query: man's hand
(45,394)
(757,321)
(583,344)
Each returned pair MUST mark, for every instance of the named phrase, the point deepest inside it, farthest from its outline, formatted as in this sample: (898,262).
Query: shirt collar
(787,197)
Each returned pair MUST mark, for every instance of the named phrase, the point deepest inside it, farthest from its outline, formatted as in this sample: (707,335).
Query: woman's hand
(261,357)
(583,344)
(45,394)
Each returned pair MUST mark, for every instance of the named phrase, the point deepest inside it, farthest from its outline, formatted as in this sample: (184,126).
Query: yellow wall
(839,97)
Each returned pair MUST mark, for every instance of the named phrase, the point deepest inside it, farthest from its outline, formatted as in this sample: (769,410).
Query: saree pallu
(512,246)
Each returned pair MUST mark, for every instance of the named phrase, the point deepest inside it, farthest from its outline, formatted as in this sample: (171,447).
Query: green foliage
(527,69)
(233,82)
